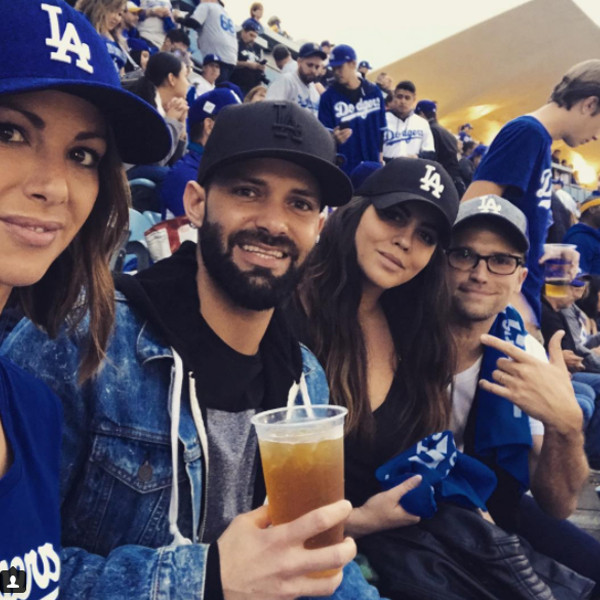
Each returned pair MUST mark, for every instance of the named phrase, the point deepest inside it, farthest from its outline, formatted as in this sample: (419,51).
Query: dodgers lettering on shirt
(42,572)
(29,496)
(366,118)
(290,87)
(408,137)
(520,159)
(345,111)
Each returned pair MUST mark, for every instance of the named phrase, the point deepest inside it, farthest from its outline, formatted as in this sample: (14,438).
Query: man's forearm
(560,472)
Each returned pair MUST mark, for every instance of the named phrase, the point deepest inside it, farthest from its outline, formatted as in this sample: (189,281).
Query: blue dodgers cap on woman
(62,51)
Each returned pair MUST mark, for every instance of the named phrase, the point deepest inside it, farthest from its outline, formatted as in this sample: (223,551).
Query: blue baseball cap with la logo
(62,51)
(341,54)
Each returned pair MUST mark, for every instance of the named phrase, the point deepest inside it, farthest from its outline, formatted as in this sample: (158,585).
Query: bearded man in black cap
(199,347)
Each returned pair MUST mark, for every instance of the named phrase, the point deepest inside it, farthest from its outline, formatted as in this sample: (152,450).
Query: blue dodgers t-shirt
(587,240)
(365,116)
(520,158)
(29,490)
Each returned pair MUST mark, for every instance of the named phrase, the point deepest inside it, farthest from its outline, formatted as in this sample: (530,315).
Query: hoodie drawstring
(175,395)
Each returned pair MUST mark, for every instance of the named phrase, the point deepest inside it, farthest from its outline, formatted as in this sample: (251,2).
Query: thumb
(555,353)
(260,516)
(408,485)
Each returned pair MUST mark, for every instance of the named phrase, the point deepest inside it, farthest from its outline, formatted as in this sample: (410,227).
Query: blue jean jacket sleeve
(134,572)
(127,572)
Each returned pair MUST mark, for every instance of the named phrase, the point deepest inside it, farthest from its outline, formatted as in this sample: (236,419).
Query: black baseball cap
(499,211)
(276,129)
(310,49)
(409,179)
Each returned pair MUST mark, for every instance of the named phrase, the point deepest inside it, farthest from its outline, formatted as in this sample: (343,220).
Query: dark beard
(258,288)
(306,79)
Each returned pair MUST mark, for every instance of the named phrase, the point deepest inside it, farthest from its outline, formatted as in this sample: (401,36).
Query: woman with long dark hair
(164,85)
(65,125)
(376,302)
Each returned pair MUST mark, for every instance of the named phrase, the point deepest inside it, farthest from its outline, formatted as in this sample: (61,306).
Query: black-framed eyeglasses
(465,259)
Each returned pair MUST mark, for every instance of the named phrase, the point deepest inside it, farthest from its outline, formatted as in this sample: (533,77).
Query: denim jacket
(117,465)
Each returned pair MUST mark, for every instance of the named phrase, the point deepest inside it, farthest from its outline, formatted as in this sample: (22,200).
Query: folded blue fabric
(448,475)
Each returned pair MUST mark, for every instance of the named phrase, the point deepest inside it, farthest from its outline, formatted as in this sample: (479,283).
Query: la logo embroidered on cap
(432,181)
(285,126)
(489,204)
(69,42)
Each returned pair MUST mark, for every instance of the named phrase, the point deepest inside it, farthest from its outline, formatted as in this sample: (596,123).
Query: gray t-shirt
(290,87)
(232,468)
(217,35)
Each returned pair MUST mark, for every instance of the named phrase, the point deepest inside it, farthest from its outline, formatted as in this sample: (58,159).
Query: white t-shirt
(568,202)
(405,138)
(217,35)
(291,66)
(202,86)
(153,28)
(465,386)
(291,87)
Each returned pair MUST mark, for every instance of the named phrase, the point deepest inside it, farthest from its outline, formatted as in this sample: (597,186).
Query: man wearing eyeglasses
(535,440)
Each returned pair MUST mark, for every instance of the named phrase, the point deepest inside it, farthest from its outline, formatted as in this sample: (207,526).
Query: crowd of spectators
(401,337)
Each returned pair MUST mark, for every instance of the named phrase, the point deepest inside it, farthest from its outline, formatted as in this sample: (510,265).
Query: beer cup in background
(557,269)
(302,455)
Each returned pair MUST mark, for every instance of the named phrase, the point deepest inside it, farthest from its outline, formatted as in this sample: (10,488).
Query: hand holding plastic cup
(560,264)
(302,454)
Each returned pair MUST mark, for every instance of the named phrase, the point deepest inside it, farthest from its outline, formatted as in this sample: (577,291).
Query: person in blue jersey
(517,165)
(354,110)
(201,120)
(586,236)
(65,124)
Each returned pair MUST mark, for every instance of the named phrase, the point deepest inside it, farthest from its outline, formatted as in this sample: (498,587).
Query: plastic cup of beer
(302,455)
(557,269)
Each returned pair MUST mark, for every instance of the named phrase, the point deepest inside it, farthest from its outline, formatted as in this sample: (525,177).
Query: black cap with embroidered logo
(276,130)
(406,179)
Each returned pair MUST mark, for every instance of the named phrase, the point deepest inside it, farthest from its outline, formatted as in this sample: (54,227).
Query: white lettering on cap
(432,181)
(489,204)
(68,42)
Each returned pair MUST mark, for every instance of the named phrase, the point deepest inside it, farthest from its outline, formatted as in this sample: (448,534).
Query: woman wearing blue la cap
(65,126)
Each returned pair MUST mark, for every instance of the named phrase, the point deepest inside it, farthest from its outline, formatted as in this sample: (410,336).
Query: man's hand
(542,390)
(341,134)
(574,363)
(259,562)
(383,511)
(159,11)
(569,255)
